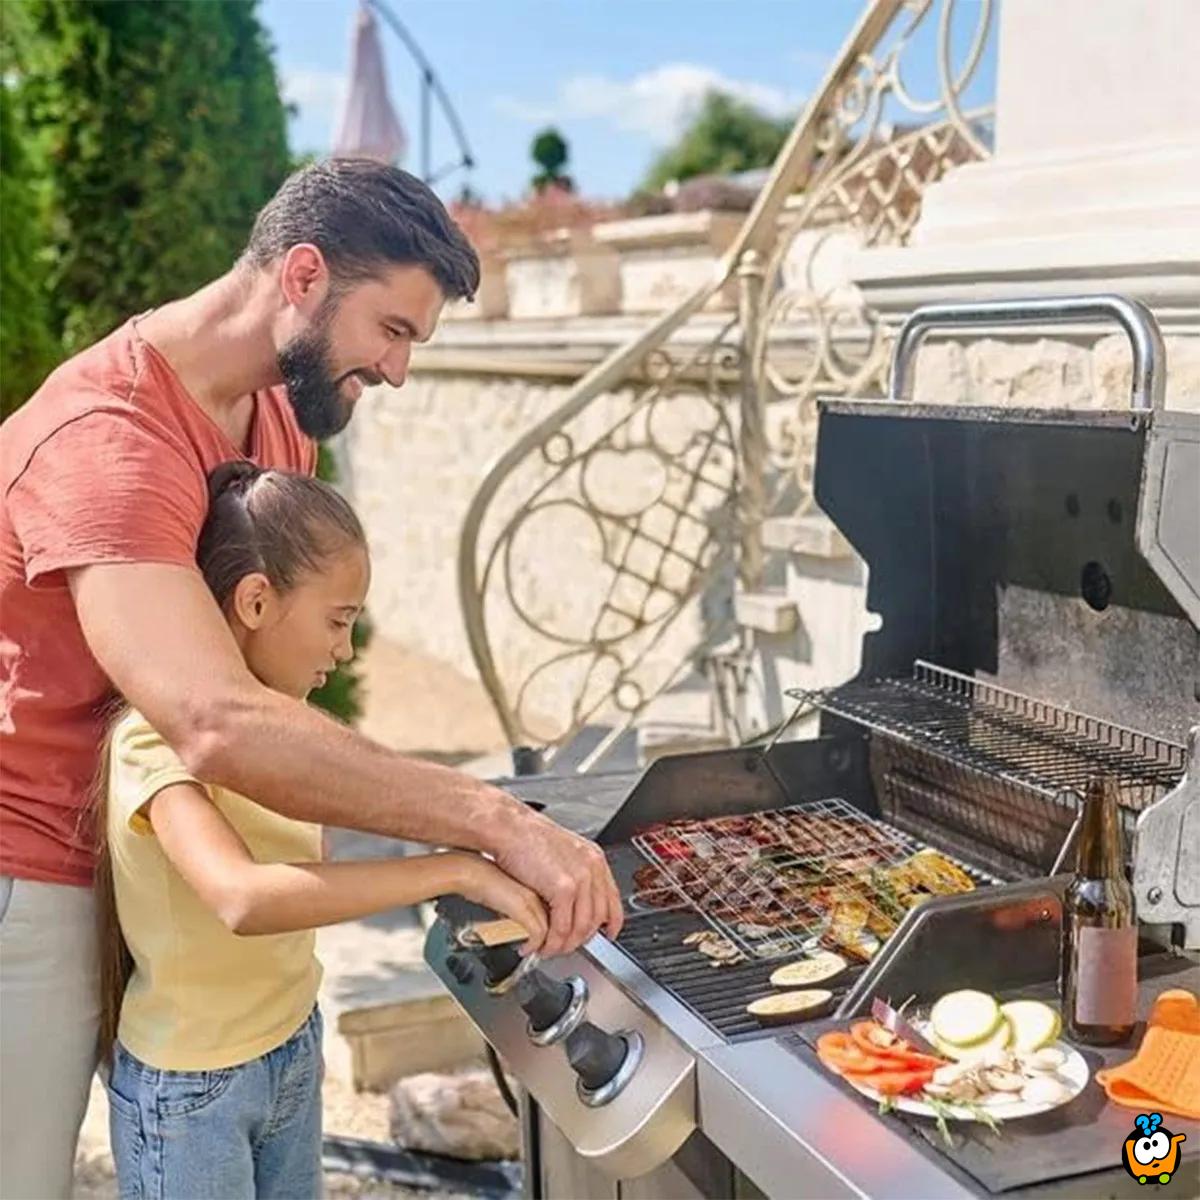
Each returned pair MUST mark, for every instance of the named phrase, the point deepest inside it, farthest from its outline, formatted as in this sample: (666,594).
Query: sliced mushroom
(951,1073)
(1045,1090)
(1004,1081)
(1048,1059)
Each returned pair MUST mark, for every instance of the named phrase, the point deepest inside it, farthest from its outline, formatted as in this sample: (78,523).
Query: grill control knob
(461,967)
(604,1062)
(504,967)
(544,1000)
(554,1007)
(501,962)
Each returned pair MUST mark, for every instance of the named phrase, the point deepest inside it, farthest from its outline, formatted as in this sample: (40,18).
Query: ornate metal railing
(718,432)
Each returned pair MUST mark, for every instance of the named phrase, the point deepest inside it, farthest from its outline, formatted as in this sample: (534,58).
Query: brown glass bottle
(1099,944)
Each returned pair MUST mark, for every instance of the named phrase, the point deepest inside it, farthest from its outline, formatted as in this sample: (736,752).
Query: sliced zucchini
(821,967)
(999,1039)
(962,1018)
(1034,1024)
(791,1006)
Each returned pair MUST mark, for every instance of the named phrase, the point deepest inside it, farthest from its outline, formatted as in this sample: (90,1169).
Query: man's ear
(304,277)
(253,601)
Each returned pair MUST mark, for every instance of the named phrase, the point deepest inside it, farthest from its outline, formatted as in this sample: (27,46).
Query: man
(103,484)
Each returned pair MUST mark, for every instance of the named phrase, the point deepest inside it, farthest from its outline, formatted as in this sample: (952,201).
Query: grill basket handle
(1145,339)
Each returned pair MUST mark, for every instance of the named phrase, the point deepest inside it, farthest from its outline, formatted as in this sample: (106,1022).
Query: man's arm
(160,637)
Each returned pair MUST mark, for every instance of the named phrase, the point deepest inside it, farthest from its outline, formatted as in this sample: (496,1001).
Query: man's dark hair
(364,215)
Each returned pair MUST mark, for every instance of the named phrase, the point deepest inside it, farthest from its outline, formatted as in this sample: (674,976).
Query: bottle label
(1106,983)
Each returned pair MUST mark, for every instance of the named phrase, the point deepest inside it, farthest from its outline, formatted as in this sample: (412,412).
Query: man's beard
(306,366)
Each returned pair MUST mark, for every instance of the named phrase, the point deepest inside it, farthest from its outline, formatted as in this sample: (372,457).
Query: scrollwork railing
(655,472)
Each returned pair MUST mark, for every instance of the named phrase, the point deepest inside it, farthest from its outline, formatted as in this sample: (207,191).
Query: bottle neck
(1101,851)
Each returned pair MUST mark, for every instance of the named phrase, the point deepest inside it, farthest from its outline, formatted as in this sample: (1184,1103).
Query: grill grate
(781,882)
(966,763)
(1046,749)
(717,994)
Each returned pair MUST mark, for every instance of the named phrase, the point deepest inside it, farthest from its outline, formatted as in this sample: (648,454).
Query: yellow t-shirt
(201,997)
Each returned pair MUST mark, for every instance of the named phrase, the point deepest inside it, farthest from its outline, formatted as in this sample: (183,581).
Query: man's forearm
(296,760)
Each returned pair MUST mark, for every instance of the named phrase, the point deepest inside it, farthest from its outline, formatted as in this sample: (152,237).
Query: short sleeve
(106,487)
(142,765)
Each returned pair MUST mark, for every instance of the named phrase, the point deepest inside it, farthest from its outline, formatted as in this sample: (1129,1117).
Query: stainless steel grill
(1047,559)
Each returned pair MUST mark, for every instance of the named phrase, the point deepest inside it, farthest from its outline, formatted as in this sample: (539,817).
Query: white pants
(49,1022)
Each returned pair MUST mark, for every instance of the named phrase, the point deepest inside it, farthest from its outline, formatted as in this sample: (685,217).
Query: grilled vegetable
(965,1018)
(790,1006)
(818,969)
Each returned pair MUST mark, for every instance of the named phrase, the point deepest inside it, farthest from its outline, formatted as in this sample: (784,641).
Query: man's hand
(572,877)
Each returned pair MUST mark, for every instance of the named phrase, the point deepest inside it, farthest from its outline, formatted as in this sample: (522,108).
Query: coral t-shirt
(106,463)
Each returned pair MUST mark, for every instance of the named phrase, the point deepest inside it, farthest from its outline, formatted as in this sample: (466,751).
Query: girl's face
(293,640)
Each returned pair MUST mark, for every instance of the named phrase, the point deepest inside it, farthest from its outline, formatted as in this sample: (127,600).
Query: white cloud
(314,92)
(656,103)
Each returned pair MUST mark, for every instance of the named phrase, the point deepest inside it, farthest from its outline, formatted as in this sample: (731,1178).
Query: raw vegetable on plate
(997,1060)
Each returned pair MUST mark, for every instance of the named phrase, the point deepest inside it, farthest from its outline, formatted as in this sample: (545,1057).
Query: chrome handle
(1145,338)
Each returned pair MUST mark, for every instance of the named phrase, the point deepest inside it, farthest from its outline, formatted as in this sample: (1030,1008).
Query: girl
(210,980)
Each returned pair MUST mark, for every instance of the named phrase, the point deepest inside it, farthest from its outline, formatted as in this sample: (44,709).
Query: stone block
(571,275)
(814,536)
(390,1041)
(766,612)
(664,259)
(491,299)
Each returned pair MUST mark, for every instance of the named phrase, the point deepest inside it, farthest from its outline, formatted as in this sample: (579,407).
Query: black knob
(595,1056)
(544,1000)
(461,967)
(501,962)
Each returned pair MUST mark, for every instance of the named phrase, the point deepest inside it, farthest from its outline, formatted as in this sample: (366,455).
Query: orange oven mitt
(1164,1075)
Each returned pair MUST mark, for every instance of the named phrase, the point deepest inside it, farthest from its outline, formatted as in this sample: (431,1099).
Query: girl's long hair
(277,523)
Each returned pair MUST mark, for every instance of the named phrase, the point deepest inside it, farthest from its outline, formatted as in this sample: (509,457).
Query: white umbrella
(369,127)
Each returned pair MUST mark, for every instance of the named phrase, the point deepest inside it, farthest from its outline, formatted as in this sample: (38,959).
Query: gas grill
(1036,574)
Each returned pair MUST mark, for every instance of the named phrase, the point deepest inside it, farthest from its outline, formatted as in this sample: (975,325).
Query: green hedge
(138,140)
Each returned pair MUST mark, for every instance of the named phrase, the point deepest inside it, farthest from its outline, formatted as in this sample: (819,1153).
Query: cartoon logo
(1153,1156)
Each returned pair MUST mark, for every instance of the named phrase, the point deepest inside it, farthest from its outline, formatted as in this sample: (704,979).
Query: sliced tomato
(840,1054)
(869,1037)
(893,1083)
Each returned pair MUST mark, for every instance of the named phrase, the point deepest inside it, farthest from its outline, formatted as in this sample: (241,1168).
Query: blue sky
(617,77)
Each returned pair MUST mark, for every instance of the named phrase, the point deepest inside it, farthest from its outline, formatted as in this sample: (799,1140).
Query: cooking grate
(963,756)
(782,882)
(978,725)
(717,994)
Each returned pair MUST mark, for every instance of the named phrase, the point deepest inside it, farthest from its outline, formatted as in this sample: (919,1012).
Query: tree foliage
(139,140)
(28,347)
(549,150)
(161,132)
(725,136)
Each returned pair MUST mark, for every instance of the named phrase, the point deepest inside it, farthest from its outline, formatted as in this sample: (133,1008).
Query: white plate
(1073,1073)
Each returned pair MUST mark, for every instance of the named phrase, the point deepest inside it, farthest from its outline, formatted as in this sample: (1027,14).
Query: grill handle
(1145,339)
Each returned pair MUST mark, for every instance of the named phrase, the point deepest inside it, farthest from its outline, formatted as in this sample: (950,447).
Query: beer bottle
(1099,943)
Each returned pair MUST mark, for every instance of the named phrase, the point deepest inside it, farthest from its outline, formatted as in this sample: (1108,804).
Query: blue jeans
(253,1130)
